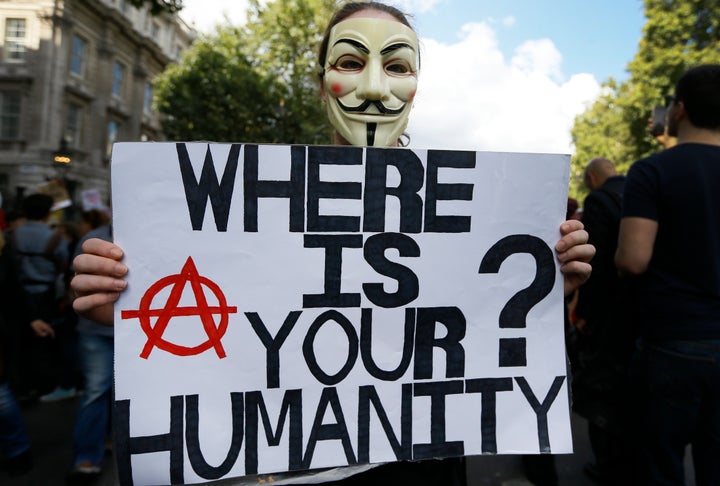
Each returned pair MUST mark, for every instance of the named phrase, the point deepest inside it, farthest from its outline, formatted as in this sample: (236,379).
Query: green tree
(216,94)
(282,39)
(256,83)
(600,131)
(677,35)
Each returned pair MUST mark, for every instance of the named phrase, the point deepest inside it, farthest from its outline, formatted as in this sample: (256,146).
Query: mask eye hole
(398,68)
(349,64)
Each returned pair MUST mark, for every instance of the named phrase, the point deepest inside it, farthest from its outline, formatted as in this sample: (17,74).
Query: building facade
(75,77)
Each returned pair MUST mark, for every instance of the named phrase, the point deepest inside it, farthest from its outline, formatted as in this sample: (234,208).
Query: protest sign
(293,308)
(91,199)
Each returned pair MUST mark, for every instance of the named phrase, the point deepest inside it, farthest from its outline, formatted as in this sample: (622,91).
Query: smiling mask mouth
(366,104)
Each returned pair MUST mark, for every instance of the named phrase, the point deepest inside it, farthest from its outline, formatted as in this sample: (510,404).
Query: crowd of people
(43,352)
(644,331)
(645,334)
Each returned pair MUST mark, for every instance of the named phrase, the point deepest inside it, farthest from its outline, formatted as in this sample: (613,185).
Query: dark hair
(699,91)
(37,206)
(346,11)
(95,218)
(14,215)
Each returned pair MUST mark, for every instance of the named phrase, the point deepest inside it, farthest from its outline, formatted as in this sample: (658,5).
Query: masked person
(369,58)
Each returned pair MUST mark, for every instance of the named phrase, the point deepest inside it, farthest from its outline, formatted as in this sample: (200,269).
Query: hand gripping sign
(291,308)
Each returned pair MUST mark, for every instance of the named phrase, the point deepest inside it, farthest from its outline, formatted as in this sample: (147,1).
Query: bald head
(598,171)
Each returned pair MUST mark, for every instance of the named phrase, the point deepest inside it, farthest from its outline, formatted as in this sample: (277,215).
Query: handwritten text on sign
(295,307)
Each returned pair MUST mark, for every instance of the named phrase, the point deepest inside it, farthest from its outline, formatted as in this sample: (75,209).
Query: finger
(93,301)
(576,273)
(583,253)
(96,246)
(85,284)
(576,270)
(576,237)
(99,265)
(571,225)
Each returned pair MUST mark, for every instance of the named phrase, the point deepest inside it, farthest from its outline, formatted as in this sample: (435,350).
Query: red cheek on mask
(336,88)
(412,95)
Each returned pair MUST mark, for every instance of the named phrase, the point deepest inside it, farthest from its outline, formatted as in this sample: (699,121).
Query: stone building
(76,76)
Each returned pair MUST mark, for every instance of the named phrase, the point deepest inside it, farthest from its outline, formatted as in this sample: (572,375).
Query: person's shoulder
(652,163)
(614,183)
(102,232)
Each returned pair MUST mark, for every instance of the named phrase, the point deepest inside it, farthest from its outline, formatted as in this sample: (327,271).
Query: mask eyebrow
(395,47)
(355,44)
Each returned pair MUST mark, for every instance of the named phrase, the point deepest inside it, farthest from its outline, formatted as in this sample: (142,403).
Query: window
(147,102)
(112,131)
(15,39)
(155,31)
(73,125)
(9,114)
(118,80)
(78,61)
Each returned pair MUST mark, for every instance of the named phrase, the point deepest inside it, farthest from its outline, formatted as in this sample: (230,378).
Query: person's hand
(574,254)
(98,280)
(42,329)
(580,324)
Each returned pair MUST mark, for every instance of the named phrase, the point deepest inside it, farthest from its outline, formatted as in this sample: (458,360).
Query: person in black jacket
(603,339)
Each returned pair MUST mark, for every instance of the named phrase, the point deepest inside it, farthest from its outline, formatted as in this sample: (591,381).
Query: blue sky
(505,75)
(597,37)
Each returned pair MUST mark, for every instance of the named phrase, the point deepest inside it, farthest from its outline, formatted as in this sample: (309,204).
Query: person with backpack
(40,256)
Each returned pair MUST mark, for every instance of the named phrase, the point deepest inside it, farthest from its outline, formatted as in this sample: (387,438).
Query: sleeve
(641,189)
(597,224)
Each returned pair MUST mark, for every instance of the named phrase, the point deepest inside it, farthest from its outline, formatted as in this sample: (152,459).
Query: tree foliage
(215,94)
(255,83)
(677,35)
(282,39)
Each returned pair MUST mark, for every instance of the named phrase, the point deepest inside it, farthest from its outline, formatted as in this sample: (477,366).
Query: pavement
(50,428)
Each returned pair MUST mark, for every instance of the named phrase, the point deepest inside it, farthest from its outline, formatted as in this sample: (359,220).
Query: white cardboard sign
(301,307)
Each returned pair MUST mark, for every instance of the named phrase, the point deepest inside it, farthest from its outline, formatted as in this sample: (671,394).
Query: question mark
(514,314)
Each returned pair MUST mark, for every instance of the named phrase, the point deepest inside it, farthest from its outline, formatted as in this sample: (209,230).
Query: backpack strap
(52,245)
(48,253)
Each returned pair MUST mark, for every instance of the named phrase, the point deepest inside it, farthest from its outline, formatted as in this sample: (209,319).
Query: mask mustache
(367,103)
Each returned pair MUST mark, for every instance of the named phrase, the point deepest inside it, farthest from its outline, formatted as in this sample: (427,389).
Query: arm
(600,222)
(98,280)
(574,255)
(635,244)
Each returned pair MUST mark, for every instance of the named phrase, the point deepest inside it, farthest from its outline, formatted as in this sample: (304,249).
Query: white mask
(370,79)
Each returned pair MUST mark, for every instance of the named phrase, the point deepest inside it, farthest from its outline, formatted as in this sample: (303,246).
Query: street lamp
(63,186)
(62,156)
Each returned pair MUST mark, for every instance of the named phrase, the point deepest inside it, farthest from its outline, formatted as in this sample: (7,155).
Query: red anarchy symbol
(155,333)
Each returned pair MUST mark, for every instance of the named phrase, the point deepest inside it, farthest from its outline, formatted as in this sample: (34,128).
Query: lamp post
(62,158)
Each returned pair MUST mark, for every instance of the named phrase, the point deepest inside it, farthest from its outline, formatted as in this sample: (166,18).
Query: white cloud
(508,21)
(538,57)
(471,97)
(204,15)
